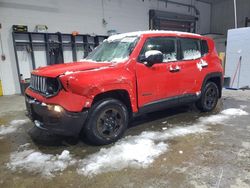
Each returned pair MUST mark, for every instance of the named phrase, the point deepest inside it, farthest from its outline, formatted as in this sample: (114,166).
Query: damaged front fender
(94,82)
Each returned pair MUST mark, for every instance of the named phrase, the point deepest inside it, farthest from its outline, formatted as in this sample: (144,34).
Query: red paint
(143,84)
(56,70)
(70,101)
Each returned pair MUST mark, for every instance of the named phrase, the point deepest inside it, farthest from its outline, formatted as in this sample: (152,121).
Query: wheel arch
(217,78)
(119,94)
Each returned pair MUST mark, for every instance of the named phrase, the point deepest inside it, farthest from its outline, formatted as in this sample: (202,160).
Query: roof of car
(155,32)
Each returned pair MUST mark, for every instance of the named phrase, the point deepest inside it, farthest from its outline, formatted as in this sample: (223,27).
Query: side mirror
(152,57)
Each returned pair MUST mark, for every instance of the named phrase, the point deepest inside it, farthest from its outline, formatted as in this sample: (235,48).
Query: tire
(107,122)
(209,97)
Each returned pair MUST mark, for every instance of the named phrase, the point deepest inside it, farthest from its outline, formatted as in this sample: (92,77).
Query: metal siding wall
(222,17)
(84,16)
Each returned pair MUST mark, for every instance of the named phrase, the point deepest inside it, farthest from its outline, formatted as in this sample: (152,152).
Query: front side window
(117,50)
(190,48)
(166,45)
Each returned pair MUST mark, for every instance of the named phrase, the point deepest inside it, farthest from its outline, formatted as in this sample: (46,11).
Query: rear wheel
(108,120)
(209,97)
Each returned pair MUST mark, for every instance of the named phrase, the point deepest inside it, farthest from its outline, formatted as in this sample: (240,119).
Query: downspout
(235,14)
(197,12)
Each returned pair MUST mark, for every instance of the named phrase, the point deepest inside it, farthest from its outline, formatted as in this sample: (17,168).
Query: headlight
(58,108)
(55,108)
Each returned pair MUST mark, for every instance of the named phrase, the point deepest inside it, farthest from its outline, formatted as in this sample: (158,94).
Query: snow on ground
(12,127)
(141,150)
(37,162)
(133,151)
(223,116)
(137,151)
(234,112)
(243,106)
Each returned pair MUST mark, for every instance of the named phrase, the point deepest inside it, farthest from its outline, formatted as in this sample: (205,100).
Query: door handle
(176,69)
(202,64)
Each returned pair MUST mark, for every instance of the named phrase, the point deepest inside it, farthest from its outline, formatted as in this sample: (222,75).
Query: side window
(204,47)
(166,45)
(190,48)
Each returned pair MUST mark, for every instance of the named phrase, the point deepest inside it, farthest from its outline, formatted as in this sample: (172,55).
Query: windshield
(113,51)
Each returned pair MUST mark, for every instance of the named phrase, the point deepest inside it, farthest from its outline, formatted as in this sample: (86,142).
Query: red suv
(128,74)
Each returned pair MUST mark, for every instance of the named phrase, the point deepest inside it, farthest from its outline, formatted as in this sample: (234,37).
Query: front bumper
(61,123)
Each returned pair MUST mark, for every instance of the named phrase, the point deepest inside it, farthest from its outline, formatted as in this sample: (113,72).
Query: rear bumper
(61,123)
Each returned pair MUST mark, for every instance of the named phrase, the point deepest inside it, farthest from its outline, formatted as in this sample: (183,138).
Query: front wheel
(209,97)
(108,120)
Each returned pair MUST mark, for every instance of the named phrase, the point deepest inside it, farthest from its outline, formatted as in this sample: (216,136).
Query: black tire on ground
(209,97)
(106,123)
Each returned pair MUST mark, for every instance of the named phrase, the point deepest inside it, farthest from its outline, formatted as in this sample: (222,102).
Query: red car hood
(59,69)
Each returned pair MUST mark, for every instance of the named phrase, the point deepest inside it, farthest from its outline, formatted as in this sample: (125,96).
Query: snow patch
(19,122)
(37,162)
(214,119)
(119,60)
(234,112)
(224,115)
(12,127)
(7,129)
(129,39)
(152,52)
(139,33)
(169,57)
(127,153)
(133,151)
(68,72)
(243,106)
(191,54)
(24,146)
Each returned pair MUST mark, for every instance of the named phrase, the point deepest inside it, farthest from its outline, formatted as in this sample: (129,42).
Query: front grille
(38,83)
(45,85)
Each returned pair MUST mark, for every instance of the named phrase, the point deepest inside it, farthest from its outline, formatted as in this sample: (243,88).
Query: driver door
(160,81)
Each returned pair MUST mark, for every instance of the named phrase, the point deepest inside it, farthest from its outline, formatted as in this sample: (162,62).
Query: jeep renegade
(126,75)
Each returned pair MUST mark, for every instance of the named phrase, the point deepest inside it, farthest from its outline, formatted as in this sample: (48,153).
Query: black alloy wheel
(209,97)
(107,122)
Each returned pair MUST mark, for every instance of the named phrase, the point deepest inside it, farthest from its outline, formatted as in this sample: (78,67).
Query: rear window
(204,47)
(190,49)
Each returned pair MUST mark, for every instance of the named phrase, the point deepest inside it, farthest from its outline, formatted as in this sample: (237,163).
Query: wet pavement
(172,148)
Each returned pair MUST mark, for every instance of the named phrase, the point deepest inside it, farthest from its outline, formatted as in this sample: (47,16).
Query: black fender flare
(211,76)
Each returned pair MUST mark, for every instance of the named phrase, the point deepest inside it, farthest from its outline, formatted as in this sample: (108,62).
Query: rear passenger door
(189,63)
